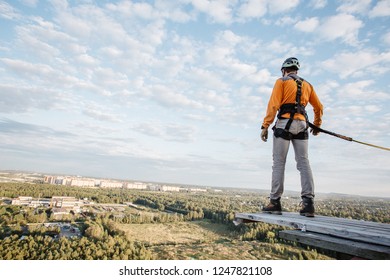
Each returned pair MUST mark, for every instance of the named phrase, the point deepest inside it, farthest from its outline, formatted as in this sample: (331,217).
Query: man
(290,96)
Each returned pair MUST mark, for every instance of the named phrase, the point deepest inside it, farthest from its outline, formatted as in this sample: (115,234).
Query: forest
(106,235)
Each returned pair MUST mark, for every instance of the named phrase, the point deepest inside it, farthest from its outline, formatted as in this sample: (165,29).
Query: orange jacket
(285,91)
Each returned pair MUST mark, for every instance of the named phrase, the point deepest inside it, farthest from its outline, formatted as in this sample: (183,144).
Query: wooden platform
(362,239)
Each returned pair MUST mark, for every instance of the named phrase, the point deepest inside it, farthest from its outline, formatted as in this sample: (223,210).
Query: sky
(176,91)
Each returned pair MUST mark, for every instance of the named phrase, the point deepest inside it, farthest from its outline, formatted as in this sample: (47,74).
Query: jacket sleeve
(274,103)
(318,108)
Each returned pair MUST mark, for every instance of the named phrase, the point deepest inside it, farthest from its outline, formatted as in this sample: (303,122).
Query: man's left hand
(264,134)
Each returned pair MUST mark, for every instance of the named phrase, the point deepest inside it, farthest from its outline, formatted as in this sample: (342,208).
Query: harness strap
(292,108)
(297,103)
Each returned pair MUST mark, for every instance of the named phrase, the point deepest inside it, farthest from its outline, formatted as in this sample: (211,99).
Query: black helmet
(291,62)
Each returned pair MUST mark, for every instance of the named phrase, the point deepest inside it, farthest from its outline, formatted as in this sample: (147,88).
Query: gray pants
(280,150)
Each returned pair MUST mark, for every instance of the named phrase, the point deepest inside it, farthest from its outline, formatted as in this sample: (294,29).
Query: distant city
(65,205)
(18,176)
(89,182)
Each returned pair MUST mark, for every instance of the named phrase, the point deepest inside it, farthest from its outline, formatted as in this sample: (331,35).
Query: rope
(371,145)
(345,137)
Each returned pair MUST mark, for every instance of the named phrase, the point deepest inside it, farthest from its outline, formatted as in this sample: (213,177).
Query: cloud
(218,55)
(143,10)
(281,6)
(354,6)
(225,54)
(386,38)
(259,8)
(166,131)
(39,72)
(165,96)
(260,77)
(14,127)
(207,79)
(197,117)
(168,10)
(130,10)
(360,90)
(217,99)
(285,21)
(29,39)
(177,13)
(93,25)
(100,113)
(18,98)
(48,36)
(342,26)
(381,9)
(112,52)
(109,80)
(307,25)
(229,37)
(30,3)
(74,25)
(357,63)
(318,4)
(219,11)
(8,12)
(326,90)
(252,9)
(78,147)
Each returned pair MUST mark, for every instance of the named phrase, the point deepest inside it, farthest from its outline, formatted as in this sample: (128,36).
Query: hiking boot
(273,207)
(307,207)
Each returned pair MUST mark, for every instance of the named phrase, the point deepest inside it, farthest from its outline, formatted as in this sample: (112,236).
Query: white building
(82,183)
(22,200)
(110,184)
(31,202)
(166,188)
(63,201)
(136,185)
(197,190)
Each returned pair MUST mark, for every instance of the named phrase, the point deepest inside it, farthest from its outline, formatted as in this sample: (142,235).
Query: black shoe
(274,207)
(307,207)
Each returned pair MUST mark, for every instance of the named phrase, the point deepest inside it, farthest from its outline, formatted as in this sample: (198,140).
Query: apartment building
(22,200)
(166,188)
(136,185)
(84,183)
(110,184)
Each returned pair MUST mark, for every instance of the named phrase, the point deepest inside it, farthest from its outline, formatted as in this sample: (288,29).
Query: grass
(174,233)
(203,240)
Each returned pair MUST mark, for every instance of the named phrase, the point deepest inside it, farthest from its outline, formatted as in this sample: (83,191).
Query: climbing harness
(297,107)
(292,109)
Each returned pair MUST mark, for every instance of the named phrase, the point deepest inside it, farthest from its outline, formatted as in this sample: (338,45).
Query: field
(204,240)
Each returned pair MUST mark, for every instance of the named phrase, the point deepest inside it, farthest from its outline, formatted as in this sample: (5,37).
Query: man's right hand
(314,131)
(264,134)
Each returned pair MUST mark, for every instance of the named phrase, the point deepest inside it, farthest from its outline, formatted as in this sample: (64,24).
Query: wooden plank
(320,219)
(327,219)
(351,222)
(370,232)
(353,248)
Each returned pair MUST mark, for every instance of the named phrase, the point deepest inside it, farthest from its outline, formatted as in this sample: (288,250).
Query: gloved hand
(264,134)
(314,131)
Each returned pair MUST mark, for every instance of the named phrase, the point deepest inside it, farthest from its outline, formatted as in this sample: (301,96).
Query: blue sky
(176,91)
